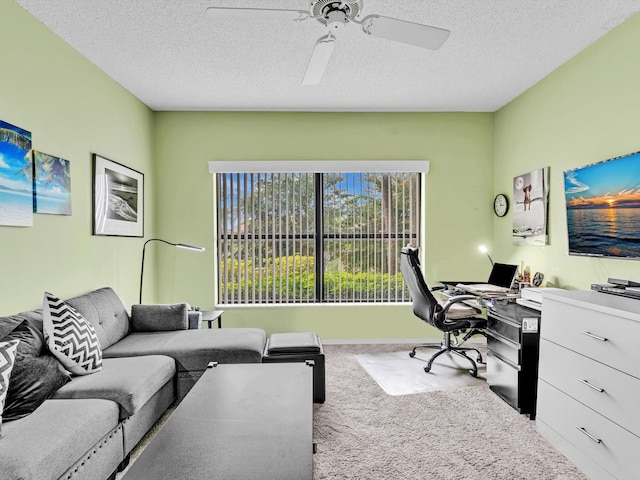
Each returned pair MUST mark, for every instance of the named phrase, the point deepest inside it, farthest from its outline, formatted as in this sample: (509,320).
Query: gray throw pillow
(155,318)
(36,374)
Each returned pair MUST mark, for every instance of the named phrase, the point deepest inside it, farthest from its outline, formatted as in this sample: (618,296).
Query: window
(305,237)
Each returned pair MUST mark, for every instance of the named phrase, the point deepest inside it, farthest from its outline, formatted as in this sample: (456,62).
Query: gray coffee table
(241,421)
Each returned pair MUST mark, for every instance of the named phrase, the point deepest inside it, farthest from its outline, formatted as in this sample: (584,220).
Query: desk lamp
(179,245)
(484,250)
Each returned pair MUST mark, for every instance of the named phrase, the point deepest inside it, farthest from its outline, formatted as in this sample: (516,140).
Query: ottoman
(299,347)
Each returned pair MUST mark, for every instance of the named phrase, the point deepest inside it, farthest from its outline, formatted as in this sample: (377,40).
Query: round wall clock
(500,205)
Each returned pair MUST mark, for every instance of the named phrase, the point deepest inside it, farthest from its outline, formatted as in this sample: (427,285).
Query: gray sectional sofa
(88,428)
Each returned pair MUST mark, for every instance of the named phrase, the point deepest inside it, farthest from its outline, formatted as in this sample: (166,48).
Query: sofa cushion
(128,381)
(7,357)
(70,337)
(105,311)
(43,445)
(194,349)
(155,318)
(36,373)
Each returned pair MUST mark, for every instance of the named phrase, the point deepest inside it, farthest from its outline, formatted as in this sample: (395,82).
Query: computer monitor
(503,275)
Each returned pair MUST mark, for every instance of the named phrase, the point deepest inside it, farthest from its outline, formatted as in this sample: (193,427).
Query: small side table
(211,316)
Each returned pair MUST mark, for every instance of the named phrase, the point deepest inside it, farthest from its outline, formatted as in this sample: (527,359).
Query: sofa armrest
(156,318)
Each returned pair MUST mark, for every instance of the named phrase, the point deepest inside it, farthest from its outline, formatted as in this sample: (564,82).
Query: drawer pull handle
(585,382)
(581,429)
(589,334)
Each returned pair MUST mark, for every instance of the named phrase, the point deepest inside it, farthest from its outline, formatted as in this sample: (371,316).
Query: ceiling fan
(335,15)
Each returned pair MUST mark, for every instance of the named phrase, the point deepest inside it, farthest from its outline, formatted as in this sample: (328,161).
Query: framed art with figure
(118,199)
(530,207)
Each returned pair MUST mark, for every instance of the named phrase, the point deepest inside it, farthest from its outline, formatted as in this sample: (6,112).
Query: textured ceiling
(172,56)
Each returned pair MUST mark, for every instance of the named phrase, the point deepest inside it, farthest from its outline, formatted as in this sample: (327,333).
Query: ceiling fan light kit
(335,15)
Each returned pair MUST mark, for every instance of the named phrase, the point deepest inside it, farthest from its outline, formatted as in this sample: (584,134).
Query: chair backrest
(425,305)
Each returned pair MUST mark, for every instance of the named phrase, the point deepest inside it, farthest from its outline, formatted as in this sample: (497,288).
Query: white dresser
(589,381)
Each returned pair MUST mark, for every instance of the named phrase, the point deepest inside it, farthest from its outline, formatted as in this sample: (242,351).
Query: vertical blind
(304,237)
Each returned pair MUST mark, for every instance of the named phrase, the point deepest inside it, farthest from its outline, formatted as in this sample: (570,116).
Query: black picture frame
(118,199)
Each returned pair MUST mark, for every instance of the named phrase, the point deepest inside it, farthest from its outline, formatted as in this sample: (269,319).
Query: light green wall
(459,188)
(72,110)
(586,111)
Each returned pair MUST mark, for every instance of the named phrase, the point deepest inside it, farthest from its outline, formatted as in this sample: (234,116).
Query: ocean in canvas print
(610,231)
(52,185)
(603,208)
(16,173)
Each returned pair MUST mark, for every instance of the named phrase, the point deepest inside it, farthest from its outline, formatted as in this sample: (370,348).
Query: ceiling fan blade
(319,60)
(402,31)
(245,14)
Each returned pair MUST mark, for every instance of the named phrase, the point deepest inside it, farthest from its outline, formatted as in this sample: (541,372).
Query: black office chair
(451,317)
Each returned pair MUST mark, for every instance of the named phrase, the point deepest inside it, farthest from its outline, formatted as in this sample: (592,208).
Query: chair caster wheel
(427,369)
(473,373)
(412,354)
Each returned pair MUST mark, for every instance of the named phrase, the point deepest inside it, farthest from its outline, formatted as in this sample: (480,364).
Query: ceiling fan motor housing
(331,11)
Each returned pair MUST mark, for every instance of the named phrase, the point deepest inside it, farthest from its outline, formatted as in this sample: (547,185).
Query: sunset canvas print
(603,208)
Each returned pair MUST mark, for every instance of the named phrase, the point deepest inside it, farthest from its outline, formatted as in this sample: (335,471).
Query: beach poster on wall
(530,207)
(16,176)
(51,184)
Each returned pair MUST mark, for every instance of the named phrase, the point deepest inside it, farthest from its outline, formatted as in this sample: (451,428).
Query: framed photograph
(118,199)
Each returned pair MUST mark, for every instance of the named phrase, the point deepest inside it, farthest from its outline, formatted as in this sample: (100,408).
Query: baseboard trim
(390,341)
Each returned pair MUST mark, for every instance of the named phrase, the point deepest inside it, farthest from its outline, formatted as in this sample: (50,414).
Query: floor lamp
(179,245)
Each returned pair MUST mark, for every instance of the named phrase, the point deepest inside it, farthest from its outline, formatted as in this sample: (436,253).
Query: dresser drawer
(609,392)
(609,445)
(605,338)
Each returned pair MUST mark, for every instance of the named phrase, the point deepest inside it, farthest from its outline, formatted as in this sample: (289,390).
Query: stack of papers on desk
(483,289)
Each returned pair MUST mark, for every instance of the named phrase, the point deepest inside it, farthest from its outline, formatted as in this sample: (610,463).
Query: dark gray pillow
(155,318)
(36,374)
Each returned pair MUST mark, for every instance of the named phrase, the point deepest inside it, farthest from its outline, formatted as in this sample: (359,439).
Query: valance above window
(319,166)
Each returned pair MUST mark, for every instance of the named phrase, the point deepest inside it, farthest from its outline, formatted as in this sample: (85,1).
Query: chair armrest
(157,318)
(451,301)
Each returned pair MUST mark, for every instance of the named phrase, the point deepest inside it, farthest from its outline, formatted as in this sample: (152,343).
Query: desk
(211,316)
(513,342)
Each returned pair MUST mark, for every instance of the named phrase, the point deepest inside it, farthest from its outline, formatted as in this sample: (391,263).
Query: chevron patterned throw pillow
(7,356)
(70,337)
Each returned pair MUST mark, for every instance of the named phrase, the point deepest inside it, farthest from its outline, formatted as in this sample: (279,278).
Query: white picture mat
(106,174)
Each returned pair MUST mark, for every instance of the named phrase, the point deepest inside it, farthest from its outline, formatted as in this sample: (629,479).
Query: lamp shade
(484,250)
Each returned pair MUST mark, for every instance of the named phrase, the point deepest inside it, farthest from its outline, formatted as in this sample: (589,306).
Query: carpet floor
(463,432)
(459,430)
